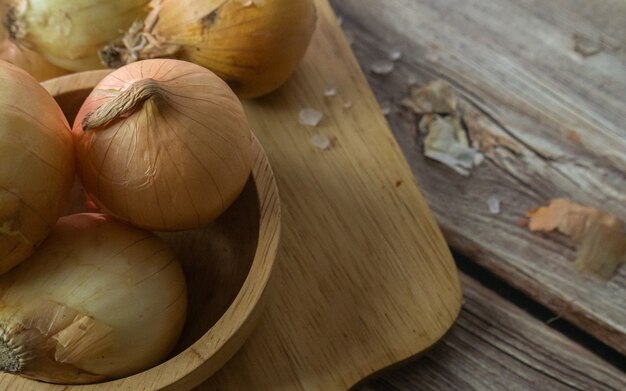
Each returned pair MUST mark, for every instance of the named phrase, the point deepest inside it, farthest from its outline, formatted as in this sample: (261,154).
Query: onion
(26,59)
(37,164)
(99,300)
(70,33)
(163,145)
(254,45)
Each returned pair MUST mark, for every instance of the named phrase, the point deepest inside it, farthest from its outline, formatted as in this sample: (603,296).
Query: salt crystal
(347,104)
(382,67)
(479,158)
(310,117)
(330,91)
(494,205)
(395,55)
(320,141)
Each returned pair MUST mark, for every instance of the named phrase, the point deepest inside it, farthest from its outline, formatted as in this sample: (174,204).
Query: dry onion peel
(70,33)
(99,300)
(253,45)
(163,145)
(601,236)
(36,156)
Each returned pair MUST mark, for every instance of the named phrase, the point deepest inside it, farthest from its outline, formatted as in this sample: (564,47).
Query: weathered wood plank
(558,115)
(496,346)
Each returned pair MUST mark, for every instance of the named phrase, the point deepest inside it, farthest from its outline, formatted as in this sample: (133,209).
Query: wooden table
(546,79)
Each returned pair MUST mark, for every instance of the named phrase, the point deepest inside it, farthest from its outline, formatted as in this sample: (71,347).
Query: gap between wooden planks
(495,345)
(515,62)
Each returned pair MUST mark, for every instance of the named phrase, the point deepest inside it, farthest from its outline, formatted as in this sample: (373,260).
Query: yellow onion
(28,60)
(163,145)
(36,164)
(254,45)
(70,33)
(99,300)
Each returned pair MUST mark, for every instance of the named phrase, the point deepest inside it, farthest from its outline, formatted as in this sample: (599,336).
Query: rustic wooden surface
(496,346)
(530,90)
(555,111)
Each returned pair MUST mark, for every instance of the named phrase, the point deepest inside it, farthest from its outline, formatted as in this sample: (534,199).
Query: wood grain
(227,265)
(364,278)
(496,346)
(557,117)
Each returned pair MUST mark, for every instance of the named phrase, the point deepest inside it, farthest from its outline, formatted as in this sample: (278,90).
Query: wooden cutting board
(364,278)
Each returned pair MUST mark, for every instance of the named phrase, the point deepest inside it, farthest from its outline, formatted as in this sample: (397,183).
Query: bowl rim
(193,365)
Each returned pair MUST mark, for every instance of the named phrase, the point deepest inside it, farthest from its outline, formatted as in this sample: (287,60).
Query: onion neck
(16,28)
(125,104)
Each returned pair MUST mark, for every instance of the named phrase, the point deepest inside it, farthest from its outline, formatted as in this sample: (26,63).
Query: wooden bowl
(227,265)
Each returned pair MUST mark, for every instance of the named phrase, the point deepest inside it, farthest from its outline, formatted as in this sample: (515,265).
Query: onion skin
(70,33)
(175,158)
(30,61)
(254,48)
(37,164)
(100,300)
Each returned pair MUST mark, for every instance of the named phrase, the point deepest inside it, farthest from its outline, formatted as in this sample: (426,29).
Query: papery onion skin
(253,45)
(70,33)
(100,300)
(36,164)
(175,161)
(28,60)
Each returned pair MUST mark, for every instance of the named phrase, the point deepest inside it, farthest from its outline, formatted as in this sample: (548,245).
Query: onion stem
(123,105)
(15,29)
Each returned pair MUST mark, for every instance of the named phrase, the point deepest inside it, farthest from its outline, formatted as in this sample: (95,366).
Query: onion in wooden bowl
(227,265)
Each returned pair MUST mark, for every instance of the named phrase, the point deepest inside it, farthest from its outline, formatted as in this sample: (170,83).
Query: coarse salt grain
(310,117)
(382,67)
(395,55)
(494,205)
(347,104)
(320,141)
(330,91)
